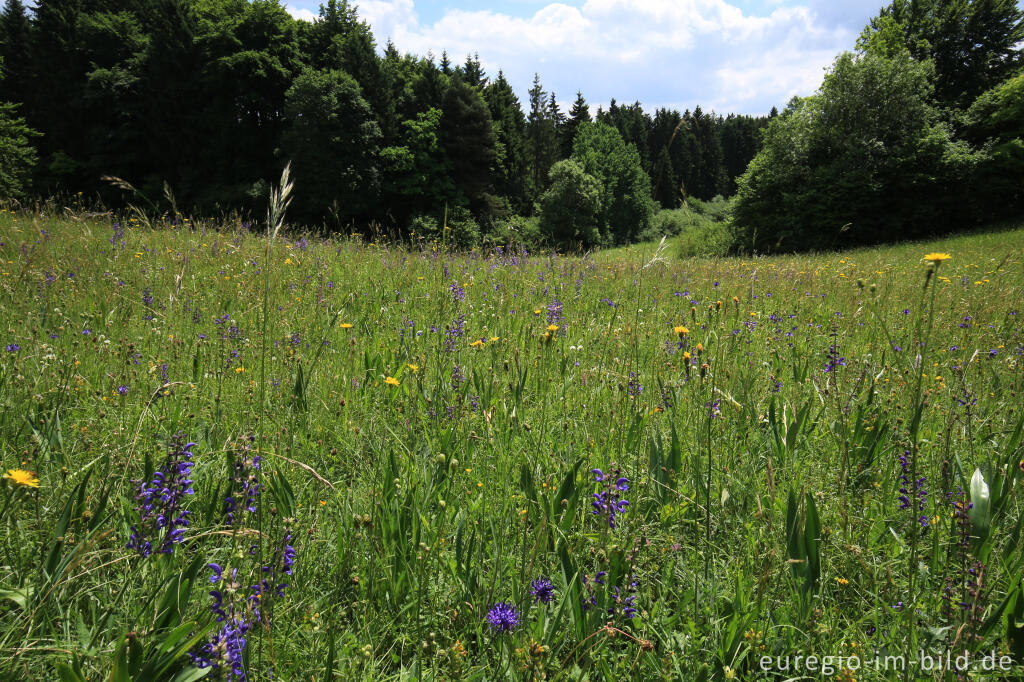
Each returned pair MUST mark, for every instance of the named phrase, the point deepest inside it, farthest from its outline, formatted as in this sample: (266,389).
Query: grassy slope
(418,506)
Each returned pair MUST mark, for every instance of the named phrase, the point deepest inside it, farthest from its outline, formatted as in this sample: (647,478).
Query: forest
(196,105)
(214,97)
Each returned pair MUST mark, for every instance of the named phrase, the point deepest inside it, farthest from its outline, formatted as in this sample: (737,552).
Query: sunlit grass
(431,423)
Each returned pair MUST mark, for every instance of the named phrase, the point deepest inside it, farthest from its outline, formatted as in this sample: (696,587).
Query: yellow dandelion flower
(414,368)
(842,581)
(239,370)
(681,330)
(345,325)
(936,257)
(552,327)
(477,343)
(22,477)
(494,338)
(287,261)
(391,381)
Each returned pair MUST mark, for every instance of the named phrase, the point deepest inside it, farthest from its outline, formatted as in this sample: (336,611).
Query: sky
(730,56)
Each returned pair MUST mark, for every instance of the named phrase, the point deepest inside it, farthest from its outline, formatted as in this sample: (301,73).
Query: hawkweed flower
(543,590)
(20,477)
(160,501)
(503,617)
(936,258)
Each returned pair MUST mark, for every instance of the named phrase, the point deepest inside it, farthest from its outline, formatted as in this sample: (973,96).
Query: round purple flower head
(543,590)
(503,617)
(122,390)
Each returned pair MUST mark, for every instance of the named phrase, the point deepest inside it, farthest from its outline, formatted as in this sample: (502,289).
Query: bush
(705,237)
(571,207)
(463,231)
(516,230)
(17,157)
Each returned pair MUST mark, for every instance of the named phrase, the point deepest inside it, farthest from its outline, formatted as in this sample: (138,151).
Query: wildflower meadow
(234,452)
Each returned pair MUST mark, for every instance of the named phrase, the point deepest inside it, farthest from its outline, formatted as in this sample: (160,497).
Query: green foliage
(454,228)
(626,207)
(17,156)
(973,44)
(837,168)
(417,503)
(332,141)
(570,209)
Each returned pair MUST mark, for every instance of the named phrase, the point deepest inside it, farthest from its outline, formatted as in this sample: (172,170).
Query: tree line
(212,97)
(918,132)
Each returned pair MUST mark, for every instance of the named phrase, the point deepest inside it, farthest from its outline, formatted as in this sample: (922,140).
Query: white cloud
(660,52)
(299,13)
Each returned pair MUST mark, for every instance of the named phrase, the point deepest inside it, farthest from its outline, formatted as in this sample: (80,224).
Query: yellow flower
(391,381)
(414,368)
(681,330)
(536,311)
(22,477)
(239,370)
(345,325)
(936,257)
(287,261)
(842,581)
(686,355)
(552,327)
(477,343)
(494,338)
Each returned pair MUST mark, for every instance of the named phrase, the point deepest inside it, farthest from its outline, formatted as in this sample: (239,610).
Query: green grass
(763,515)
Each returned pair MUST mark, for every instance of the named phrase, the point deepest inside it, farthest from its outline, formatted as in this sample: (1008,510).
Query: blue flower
(503,617)
(543,590)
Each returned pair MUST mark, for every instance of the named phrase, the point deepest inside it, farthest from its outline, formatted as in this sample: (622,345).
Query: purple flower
(159,502)
(543,590)
(13,348)
(503,617)
(122,390)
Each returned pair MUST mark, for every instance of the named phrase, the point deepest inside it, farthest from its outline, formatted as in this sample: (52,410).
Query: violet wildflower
(245,487)
(13,348)
(225,651)
(159,502)
(122,390)
(913,489)
(543,590)
(608,501)
(634,388)
(503,617)
(458,293)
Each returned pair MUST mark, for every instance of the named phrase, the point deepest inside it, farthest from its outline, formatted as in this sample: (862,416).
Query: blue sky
(742,56)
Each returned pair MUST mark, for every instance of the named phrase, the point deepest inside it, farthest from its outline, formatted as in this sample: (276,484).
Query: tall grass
(431,447)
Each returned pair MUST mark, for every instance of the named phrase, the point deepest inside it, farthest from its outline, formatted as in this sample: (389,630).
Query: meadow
(230,456)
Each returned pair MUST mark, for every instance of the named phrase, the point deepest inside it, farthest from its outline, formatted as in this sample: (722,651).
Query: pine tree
(15,47)
(541,140)
(509,125)
(578,114)
(473,73)
(468,141)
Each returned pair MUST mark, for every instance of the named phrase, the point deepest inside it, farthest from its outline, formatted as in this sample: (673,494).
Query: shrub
(463,231)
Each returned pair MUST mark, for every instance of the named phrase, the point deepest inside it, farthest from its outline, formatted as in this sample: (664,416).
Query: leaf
(68,674)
